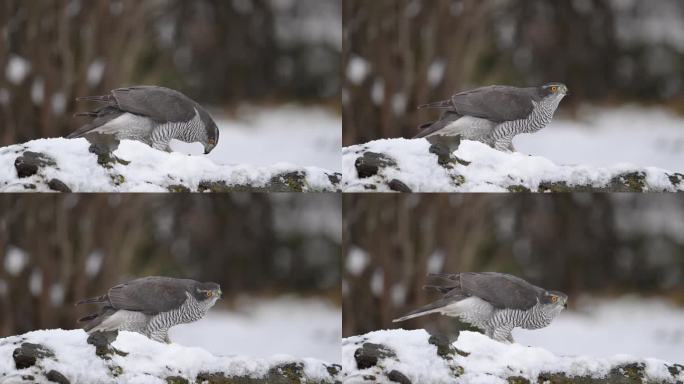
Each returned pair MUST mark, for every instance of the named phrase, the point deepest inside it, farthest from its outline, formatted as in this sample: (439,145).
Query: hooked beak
(218,294)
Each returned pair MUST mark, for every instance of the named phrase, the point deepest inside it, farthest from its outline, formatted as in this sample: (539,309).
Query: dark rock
(335,178)
(29,163)
(30,378)
(676,178)
(367,356)
(176,380)
(370,163)
(399,186)
(334,369)
(59,186)
(398,377)
(517,380)
(675,369)
(27,355)
(634,372)
(57,377)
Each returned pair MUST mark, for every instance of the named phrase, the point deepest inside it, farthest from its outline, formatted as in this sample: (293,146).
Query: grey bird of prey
(151,114)
(495,302)
(494,114)
(151,305)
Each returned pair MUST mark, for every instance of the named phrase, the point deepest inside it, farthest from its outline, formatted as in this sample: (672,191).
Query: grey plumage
(151,114)
(495,114)
(495,302)
(151,305)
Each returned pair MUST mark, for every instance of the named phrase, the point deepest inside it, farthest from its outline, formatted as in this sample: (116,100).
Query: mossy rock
(628,182)
(286,182)
(517,380)
(176,380)
(518,189)
(178,188)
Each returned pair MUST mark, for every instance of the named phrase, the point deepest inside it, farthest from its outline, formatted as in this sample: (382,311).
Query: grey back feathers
(166,110)
(495,114)
(496,302)
(151,305)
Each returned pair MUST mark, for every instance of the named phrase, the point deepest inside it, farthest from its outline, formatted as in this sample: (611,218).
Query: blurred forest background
(219,52)
(399,54)
(603,245)
(56,250)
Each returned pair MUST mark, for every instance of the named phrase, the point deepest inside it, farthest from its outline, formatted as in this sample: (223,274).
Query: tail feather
(103,98)
(433,307)
(444,104)
(97,299)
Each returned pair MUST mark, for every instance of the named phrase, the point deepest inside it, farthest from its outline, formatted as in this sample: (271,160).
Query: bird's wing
(496,103)
(499,289)
(150,295)
(103,116)
(445,119)
(158,103)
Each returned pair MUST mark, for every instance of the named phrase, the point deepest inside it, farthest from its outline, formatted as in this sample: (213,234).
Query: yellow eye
(554,88)
(208,293)
(554,299)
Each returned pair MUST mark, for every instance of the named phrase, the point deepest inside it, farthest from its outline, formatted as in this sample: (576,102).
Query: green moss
(518,189)
(458,180)
(517,380)
(178,188)
(116,370)
(176,380)
(117,179)
(628,182)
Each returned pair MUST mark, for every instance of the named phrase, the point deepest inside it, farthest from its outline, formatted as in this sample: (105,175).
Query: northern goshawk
(495,302)
(492,115)
(151,305)
(151,114)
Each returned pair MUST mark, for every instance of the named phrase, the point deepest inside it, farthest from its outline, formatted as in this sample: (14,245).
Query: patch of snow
(93,263)
(17,69)
(600,328)
(489,170)
(146,361)
(95,72)
(15,260)
(356,261)
(488,361)
(647,137)
(436,72)
(260,328)
(263,136)
(149,170)
(58,103)
(357,70)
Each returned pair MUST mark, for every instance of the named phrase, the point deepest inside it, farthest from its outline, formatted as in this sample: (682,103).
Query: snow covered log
(76,165)
(403,165)
(401,356)
(74,357)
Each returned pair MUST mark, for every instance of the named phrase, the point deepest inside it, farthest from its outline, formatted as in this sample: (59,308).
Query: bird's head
(212,136)
(554,300)
(555,90)
(207,291)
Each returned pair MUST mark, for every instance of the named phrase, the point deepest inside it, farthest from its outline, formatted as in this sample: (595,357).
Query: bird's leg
(443,147)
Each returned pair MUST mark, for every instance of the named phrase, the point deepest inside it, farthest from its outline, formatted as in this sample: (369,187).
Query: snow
(488,361)
(147,361)
(149,170)
(357,70)
(647,137)
(490,170)
(306,136)
(263,327)
(601,328)
(17,69)
(15,260)
(356,261)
